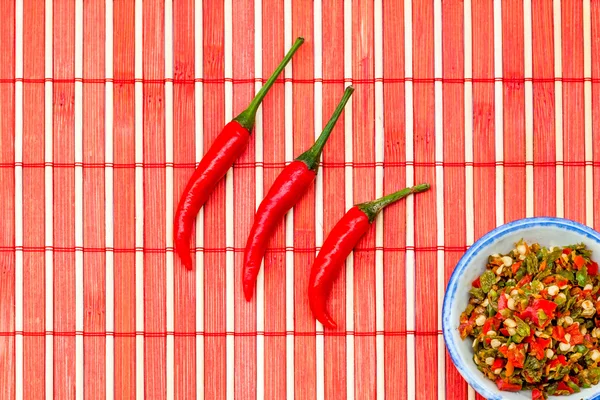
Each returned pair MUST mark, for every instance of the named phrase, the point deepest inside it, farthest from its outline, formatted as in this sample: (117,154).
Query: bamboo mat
(106,106)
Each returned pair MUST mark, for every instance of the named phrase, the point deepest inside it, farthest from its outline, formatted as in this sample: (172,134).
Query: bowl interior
(546,232)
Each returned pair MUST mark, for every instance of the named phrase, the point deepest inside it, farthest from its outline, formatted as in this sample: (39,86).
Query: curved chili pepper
(339,244)
(287,189)
(226,148)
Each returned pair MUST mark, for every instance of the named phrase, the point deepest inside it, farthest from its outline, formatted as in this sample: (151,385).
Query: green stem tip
(312,156)
(372,208)
(247,117)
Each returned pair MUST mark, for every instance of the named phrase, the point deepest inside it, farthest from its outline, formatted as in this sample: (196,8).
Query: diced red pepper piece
(516,266)
(564,386)
(498,363)
(516,356)
(502,302)
(576,335)
(561,281)
(566,251)
(548,280)
(507,386)
(477,283)
(558,333)
(504,331)
(559,360)
(538,347)
(531,312)
(491,324)
(579,262)
(524,281)
(536,394)
(593,268)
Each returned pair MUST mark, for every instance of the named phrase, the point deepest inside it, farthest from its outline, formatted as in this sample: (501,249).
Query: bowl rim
(461,266)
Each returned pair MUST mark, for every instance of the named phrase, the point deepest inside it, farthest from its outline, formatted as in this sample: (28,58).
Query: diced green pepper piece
(487,281)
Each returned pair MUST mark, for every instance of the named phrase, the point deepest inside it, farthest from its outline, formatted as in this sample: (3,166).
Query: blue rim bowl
(449,327)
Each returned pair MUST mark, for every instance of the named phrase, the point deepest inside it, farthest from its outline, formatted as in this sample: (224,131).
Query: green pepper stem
(247,117)
(372,208)
(312,156)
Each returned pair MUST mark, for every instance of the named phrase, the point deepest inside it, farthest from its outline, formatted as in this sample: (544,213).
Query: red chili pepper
(226,148)
(339,244)
(288,188)
(566,251)
(477,283)
(507,386)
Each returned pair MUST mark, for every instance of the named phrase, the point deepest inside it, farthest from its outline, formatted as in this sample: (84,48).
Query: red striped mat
(106,106)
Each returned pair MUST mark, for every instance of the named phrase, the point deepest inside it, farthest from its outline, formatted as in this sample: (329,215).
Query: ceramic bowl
(545,231)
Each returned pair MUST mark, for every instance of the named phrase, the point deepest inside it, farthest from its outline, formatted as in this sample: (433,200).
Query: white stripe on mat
(528,59)
(587,103)
(48,195)
(410,205)
(139,203)
(79,373)
(289,218)
(109,200)
(169,273)
(499,115)
(379,155)
(258,131)
(318,123)
(199,255)
(439,186)
(558,108)
(18,200)
(349,200)
(468,73)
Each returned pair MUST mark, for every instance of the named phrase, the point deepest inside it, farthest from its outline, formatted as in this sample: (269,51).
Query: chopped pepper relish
(534,317)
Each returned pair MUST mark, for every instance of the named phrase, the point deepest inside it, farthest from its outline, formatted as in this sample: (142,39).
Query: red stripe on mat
(544,127)
(394,263)
(7,196)
(305,378)
(124,198)
(334,193)
(64,197)
(154,201)
(274,150)
(363,118)
(573,110)
(425,222)
(214,210)
(514,108)
(94,233)
(244,195)
(184,151)
(34,304)
(454,152)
